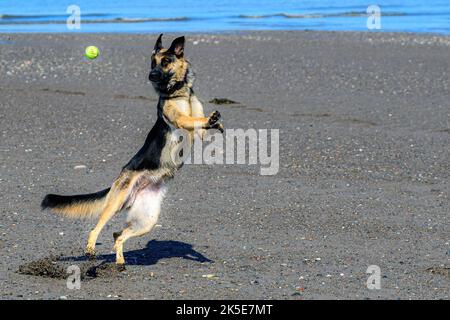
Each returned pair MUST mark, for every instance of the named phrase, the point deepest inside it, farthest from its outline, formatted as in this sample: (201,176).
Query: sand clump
(56,267)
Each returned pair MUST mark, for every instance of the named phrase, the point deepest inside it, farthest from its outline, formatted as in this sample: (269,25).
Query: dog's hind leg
(110,210)
(124,235)
(114,203)
(142,217)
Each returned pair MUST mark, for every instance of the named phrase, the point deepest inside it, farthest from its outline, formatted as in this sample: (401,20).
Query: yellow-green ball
(91,52)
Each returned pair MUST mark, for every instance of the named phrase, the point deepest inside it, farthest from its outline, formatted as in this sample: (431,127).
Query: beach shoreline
(260,15)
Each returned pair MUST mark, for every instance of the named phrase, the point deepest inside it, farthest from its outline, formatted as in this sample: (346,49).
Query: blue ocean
(149,16)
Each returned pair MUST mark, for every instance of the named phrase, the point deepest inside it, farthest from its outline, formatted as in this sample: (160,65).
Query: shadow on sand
(56,266)
(151,254)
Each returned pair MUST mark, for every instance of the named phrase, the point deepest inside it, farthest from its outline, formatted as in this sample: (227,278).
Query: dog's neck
(185,93)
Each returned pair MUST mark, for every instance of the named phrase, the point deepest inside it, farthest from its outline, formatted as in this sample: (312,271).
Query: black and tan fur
(139,188)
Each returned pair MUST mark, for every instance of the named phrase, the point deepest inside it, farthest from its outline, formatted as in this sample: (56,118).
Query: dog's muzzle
(155,76)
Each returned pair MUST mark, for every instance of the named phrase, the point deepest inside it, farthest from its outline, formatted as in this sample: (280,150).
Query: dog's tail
(77,206)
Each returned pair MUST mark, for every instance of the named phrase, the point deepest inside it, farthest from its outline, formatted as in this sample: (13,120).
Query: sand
(363,180)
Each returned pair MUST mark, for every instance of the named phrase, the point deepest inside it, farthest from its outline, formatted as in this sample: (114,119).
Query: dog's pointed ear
(177,46)
(158,45)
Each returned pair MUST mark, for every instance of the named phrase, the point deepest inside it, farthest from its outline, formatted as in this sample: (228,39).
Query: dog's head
(169,70)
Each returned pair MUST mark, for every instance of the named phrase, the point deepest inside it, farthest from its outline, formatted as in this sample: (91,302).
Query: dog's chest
(178,141)
(184,106)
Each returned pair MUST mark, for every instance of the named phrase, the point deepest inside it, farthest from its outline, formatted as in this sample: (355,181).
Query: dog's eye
(165,61)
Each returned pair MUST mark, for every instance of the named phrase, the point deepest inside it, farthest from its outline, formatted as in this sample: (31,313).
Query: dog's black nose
(154,75)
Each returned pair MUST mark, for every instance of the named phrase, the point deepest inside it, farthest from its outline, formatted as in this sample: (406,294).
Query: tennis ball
(91,52)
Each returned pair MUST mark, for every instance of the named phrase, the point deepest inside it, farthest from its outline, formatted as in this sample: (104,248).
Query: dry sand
(364,166)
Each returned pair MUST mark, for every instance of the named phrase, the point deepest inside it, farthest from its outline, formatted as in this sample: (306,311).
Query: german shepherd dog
(140,187)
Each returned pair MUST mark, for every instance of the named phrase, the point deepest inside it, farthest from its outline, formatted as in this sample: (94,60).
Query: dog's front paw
(213,118)
(218,126)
